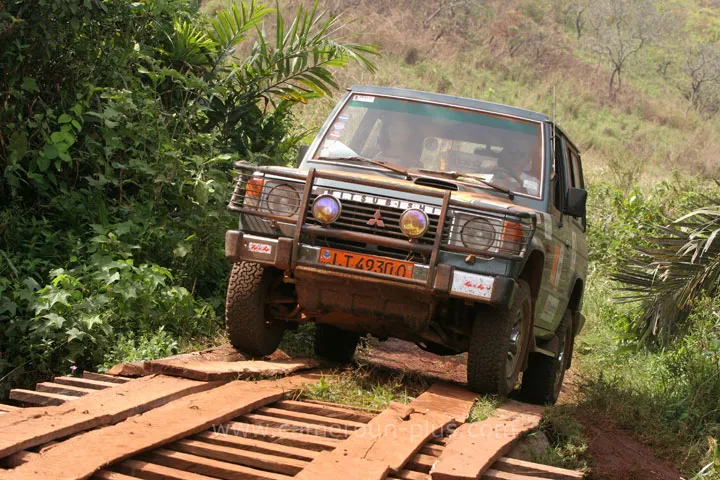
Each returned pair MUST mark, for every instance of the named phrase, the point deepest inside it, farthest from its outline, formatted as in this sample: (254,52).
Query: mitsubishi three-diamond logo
(376,220)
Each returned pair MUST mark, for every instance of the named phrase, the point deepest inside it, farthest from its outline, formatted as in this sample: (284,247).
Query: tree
(702,66)
(575,12)
(618,29)
(681,265)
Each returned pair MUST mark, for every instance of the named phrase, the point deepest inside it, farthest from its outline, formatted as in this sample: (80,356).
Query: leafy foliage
(120,124)
(679,266)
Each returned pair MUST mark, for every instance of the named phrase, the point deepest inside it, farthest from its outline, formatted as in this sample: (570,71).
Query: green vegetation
(665,389)
(121,120)
(119,126)
(366,387)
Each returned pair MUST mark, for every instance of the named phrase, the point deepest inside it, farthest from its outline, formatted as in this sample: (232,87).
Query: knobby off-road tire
(543,378)
(248,326)
(335,344)
(496,335)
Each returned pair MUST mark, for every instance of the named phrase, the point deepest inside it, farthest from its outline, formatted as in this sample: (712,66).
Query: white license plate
(472,285)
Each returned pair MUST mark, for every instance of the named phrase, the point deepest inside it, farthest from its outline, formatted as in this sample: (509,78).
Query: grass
(366,387)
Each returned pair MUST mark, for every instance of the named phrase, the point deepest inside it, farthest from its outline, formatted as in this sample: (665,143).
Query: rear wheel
(248,312)
(335,344)
(498,345)
(544,376)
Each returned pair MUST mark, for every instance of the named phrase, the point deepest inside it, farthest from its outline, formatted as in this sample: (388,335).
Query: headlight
(326,209)
(283,200)
(478,234)
(414,223)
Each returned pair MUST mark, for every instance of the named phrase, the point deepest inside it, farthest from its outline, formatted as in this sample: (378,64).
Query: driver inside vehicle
(398,142)
(517,170)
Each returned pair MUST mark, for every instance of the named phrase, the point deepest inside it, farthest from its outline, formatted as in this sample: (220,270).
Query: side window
(558,181)
(570,182)
(576,169)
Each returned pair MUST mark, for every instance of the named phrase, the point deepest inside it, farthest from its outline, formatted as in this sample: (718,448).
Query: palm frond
(681,264)
(230,26)
(296,66)
(190,46)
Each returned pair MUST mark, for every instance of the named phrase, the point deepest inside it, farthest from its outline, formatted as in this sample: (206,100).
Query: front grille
(355,216)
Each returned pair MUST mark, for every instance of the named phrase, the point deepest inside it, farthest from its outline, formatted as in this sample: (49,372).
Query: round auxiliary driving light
(283,200)
(414,223)
(326,209)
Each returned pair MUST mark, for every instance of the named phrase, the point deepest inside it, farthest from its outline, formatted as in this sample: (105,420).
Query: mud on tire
(490,345)
(544,375)
(248,327)
(335,344)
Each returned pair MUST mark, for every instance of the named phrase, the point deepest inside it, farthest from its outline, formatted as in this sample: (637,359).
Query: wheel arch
(532,273)
(576,295)
(574,305)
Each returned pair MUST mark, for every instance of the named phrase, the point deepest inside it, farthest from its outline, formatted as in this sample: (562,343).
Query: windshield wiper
(387,165)
(457,176)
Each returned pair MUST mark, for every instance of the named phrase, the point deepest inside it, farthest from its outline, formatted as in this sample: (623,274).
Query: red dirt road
(615,454)
(408,357)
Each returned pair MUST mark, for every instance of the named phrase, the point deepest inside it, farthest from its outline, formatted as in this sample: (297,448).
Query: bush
(120,124)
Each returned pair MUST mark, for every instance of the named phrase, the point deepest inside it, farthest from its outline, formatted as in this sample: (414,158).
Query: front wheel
(544,376)
(250,325)
(498,345)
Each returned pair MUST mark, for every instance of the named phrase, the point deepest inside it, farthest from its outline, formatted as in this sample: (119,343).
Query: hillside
(519,52)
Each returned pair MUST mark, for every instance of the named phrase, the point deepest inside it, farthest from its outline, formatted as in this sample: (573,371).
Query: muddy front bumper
(444,281)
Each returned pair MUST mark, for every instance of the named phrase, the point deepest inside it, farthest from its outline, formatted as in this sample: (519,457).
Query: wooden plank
(104,378)
(432,450)
(369,410)
(41,399)
(352,468)
(279,436)
(84,383)
(446,398)
(310,418)
(128,370)
(409,475)
(391,439)
(421,463)
(498,475)
(108,475)
(9,408)
(474,447)
(50,387)
(31,427)
(198,369)
(17,459)
(152,471)
(263,461)
(513,465)
(208,466)
(82,455)
(296,426)
(326,410)
(259,446)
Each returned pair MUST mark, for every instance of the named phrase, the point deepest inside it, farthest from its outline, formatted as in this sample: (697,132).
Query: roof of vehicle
(452,100)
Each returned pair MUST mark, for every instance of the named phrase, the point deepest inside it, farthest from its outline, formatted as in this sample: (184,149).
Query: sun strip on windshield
(446,113)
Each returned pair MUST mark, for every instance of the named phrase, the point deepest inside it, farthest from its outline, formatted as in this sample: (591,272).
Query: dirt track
(615,454)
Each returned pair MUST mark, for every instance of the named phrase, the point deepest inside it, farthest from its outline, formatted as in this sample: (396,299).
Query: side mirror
(576,201)
(302,150)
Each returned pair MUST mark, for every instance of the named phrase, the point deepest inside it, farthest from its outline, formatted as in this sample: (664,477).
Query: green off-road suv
(453,223)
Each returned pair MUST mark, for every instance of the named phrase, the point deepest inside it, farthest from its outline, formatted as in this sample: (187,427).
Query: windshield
(415,135)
